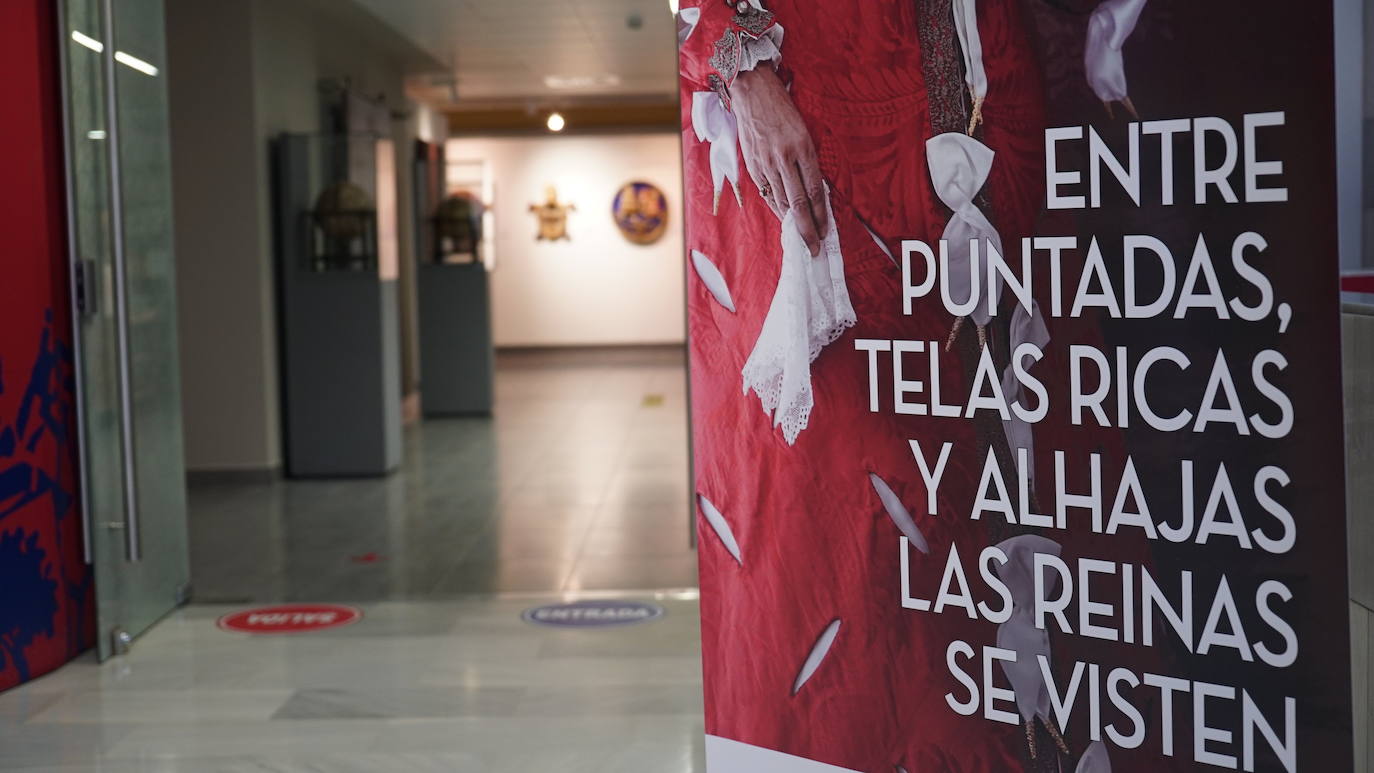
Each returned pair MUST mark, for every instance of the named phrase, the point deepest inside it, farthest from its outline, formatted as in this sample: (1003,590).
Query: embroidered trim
(726,58)
(716,84)
(943,66)
(752,21)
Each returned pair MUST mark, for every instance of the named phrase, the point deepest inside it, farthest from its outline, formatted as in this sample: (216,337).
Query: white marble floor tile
(402,702)
(465,686)
(162,706)
(314,763)
(265,739)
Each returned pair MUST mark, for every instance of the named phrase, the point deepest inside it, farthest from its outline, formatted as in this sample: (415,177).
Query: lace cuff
(765,48)
(810,310)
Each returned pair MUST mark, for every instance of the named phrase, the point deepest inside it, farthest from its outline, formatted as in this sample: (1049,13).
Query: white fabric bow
(959,167)
(1027,327)
(1095,760)
(810,309)
(1110,25)
(716,125)
(971,41)
(1019,633)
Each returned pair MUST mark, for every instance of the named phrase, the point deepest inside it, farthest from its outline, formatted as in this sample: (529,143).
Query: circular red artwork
(290,618)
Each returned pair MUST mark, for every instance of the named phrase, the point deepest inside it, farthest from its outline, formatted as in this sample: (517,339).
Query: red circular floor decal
(291,618)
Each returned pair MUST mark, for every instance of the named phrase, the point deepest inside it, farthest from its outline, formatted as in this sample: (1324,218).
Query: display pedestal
(456,360)
(340,342)
(1357,334)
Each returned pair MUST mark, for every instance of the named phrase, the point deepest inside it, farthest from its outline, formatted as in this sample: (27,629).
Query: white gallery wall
(597,288)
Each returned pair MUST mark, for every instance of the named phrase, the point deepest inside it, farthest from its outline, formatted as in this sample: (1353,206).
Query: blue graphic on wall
(35,472)
(44,409)
(30,606)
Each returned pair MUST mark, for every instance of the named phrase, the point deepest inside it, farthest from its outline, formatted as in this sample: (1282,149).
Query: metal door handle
(133,548)
(80,283)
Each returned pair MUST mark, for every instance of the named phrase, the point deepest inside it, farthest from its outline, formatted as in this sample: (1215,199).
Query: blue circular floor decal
(593,614)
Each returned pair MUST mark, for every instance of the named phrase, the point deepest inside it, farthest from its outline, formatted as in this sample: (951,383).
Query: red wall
(46,596)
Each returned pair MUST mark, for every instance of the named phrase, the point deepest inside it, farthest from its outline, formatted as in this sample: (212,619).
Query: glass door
(120,228)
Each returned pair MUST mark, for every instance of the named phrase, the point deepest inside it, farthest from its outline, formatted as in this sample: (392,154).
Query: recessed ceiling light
(556,122)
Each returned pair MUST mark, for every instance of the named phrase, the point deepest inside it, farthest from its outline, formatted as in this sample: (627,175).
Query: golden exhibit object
(552,216)
(641,212)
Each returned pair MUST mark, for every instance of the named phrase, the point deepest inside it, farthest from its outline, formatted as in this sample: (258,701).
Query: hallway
(577,489)
(579,482)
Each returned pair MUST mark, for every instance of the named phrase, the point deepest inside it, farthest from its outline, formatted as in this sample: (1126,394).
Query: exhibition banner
(1016,397)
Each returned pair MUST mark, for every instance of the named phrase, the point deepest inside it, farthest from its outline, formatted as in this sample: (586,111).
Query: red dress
(816,544)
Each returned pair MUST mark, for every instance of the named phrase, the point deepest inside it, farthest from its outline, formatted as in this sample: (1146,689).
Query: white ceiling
(506,50)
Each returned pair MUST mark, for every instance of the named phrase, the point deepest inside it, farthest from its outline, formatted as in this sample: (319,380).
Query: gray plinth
(1358,357)
(1357,334)
(456,361)
(340,339)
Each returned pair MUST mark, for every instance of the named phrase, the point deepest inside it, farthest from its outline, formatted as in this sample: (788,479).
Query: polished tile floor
(577,488)
(462,686)
(578,482)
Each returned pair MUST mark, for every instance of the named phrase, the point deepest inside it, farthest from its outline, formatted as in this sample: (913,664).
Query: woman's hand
(779,153)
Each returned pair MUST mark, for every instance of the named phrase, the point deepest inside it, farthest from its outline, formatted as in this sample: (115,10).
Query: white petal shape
(899,514)
(900,769)
(1095,759)
(712,278)
(959,167)
(687,20)
(721,527)
(1110,25)
(878,241)
(818,653)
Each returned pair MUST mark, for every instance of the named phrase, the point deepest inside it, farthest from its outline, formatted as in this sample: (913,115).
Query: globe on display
(460,218)
(339,210)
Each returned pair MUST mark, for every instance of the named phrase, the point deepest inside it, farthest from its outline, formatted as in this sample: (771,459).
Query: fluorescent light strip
(136,63)
(128,60)
(87,41)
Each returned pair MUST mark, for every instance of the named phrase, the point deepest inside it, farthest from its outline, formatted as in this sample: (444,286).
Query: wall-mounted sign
(290,618)
(552,216)
(641,212)
(593,614)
